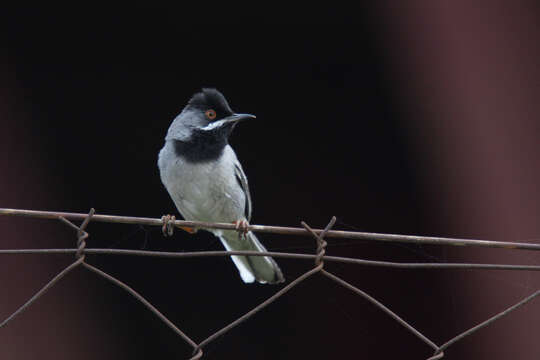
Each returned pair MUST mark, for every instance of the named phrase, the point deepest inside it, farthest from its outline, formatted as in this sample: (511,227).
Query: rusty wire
(434,240)
(319,258)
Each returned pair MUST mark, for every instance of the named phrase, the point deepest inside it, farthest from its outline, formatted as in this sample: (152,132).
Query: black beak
(238,117)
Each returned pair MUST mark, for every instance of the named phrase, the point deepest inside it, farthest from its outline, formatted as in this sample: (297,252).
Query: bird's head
(207,113)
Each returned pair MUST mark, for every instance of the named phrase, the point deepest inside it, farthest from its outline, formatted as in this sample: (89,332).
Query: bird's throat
(203,146)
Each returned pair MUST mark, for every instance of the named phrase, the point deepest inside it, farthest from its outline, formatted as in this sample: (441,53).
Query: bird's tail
(261,268)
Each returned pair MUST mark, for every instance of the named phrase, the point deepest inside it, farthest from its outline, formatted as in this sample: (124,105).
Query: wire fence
(319,258)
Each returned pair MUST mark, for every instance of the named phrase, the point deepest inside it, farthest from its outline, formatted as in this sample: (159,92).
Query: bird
(206,182)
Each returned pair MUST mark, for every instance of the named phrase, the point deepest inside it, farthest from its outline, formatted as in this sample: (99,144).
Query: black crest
(211,99)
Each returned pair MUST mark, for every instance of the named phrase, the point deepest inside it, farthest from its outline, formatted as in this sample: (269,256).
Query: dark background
(347,125)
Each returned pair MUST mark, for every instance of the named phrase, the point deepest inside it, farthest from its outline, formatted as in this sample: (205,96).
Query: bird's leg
(242,226)
(168,226)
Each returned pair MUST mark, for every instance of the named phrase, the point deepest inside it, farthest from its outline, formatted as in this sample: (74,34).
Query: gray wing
(242,181)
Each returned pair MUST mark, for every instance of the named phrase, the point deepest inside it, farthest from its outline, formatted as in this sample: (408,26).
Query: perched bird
(206,182)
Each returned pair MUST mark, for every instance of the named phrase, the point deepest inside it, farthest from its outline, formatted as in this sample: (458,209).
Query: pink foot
(168,224)
(242,226)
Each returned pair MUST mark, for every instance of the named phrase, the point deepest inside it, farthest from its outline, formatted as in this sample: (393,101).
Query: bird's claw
(242,226)
(168,224)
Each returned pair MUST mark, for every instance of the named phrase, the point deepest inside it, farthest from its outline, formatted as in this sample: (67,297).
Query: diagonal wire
(60,275)
(321,244)
(43,290)
(489,321)
(382,307)
(143,301)
(259,307)
(319,265)
(81,236)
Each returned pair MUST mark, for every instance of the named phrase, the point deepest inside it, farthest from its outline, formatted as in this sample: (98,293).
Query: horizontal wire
(277,255)
(434,240)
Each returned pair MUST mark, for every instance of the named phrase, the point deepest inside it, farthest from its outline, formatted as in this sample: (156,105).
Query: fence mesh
(319,259)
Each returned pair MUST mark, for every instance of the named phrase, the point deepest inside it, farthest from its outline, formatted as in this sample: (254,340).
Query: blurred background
(417,119)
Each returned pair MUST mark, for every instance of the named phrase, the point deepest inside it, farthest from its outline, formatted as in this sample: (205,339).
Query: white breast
(203,191)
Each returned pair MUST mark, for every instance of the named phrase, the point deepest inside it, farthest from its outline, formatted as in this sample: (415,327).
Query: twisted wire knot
(321,243)
(321,250)
(81,244)
(81,234)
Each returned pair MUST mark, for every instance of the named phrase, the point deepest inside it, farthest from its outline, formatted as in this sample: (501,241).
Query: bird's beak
(238,117)
(233,119)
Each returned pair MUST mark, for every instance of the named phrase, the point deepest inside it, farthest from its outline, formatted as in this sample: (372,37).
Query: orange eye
(211,114)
